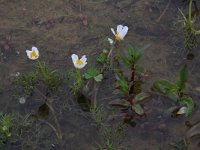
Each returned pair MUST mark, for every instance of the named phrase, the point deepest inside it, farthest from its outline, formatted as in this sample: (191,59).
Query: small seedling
(189,29)
(176,91)
(6,124)
(26,82)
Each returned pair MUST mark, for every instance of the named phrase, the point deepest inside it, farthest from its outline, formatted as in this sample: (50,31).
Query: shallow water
(58,29)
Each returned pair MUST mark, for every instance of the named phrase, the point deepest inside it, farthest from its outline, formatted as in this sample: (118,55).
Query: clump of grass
(50,77)
(111,133)
(24,84)
(190,32)
(78,81)
(6,124)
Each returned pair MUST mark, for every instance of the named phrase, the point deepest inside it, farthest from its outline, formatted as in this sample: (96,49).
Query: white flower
(110,41)
(181,111)
(121,32)
(79,63)
(33,54)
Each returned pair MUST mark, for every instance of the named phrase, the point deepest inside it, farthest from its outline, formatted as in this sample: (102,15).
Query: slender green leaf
(182,78)
(126,61)
(130,50)
(124,86)
(119,102)
(173,96)
(140,52)
(141,97)
(164,86)
(138,109)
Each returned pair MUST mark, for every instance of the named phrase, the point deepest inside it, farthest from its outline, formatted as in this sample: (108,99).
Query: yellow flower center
(34,55)
(79,62)
(118,38)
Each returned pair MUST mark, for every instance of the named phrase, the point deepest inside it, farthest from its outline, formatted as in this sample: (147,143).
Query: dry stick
(164,11)
(50,125)
(49,104)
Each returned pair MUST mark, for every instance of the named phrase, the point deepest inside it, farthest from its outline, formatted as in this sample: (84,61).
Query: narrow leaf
(173,96)
(138,109)
(141,97)
(164,86)
(120,102)
(183,74)
(140,52)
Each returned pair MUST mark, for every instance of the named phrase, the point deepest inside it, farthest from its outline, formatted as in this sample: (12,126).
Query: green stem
(42,70)
(190,12)
(79,76)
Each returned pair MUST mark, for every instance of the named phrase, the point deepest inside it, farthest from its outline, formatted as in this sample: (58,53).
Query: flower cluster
(33,54)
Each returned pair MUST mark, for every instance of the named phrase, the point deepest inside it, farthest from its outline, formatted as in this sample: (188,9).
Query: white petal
(182,110)
(28,52)
(113,31)
(36,50)
(123,32)
(74,58)
(83,59)
(119,28)
(110,41)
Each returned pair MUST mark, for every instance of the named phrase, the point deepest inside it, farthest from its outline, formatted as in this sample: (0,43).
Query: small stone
(22,100)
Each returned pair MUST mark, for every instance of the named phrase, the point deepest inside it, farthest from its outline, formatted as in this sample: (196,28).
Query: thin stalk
(42,70)
(79,77)
(190,12)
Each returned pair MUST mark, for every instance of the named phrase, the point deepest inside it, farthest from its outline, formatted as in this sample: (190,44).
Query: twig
(164,11)
(49,104)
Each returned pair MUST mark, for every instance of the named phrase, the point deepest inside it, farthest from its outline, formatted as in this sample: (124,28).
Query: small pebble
(22,100)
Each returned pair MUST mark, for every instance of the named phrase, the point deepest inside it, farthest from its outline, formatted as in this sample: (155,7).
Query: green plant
(26,82)
(78,79)
(132,100)
(50,78)
(176,91)
(102,58)
(6,124)
(112,134)
(132,103)
(189,29)
(93,73)
(133,56)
